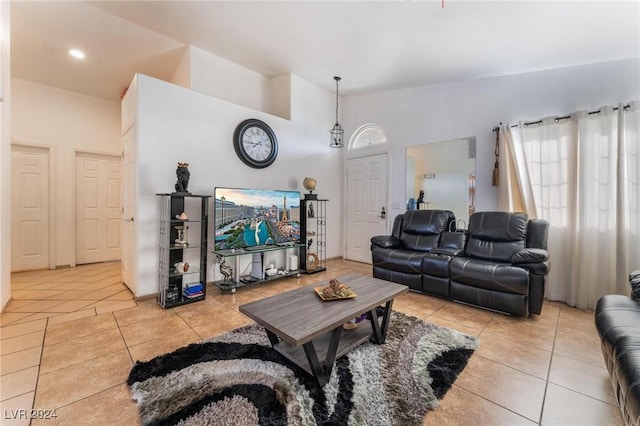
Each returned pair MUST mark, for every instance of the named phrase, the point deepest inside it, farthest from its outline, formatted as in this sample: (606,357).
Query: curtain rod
(564,117)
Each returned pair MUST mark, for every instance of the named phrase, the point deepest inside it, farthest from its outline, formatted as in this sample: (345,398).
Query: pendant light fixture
(336,133)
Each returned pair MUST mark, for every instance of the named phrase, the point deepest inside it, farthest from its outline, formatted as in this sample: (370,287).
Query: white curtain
(582,174)
(509,195)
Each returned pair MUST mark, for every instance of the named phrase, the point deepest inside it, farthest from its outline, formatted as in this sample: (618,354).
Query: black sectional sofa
(500,262)
(617,320)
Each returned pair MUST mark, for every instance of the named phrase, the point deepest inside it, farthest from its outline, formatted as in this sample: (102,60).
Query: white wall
(5,155)
(458,110)
(176,124)
(69,122)
(212,75)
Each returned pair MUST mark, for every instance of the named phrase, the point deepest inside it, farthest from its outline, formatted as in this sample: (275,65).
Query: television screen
(246,218)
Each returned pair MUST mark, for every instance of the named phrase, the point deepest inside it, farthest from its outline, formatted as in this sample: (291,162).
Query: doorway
(367,188)
(98,207)
(30,208)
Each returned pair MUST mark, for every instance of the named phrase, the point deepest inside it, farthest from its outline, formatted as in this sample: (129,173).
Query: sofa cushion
(496,235)
(489,275)
(436,264)
(421,229)
(452,240)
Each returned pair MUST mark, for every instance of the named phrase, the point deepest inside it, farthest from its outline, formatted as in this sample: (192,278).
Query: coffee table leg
(332,350)
(314,363)
(386,319)
(272,338)
(323,374)
(380,333)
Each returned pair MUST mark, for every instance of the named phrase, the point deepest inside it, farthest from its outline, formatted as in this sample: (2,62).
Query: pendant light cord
(337,79)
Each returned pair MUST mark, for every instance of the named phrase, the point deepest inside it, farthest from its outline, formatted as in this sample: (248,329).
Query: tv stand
(233,256)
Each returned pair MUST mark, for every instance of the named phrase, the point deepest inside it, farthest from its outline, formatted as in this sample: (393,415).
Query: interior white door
(98,206)
(128,209)
(29,208)
(367,181)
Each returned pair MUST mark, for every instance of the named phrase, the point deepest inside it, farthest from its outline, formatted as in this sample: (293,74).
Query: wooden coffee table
(306,329)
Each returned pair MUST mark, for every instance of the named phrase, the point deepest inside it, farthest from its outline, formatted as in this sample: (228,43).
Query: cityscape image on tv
(255,217)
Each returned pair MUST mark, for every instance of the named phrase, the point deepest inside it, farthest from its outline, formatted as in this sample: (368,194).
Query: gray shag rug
(238,379)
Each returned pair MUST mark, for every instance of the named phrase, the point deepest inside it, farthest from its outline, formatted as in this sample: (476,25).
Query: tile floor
(69,338)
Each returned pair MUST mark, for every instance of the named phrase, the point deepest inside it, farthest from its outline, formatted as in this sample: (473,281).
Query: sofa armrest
(385,241)
(529,255)
(536,261)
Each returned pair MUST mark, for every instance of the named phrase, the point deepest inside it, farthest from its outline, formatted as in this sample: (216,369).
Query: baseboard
(6,304)
(146,297)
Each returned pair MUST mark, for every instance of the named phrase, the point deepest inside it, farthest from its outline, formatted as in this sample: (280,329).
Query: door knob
(383,213)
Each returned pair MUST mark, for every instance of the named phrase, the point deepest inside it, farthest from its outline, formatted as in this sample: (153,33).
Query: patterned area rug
(238,379)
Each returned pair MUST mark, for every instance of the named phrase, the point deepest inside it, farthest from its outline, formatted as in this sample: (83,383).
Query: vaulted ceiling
(372,45)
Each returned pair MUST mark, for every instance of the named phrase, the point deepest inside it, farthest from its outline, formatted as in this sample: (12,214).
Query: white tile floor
(70,336)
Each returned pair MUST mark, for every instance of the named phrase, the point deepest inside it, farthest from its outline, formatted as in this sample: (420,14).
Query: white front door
(366,200)
(29,208)
(98,207)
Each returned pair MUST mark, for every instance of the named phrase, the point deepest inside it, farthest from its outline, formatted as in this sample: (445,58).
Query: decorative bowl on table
(335,291)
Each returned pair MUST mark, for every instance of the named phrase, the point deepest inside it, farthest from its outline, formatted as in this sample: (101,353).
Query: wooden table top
(299,315)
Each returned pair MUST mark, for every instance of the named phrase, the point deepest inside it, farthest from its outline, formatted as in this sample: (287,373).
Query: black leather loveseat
(502,263)
(617,320)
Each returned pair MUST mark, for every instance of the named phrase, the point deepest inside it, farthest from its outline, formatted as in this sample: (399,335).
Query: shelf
(232,286)
(313,271)
(188,246)
(178,221)
(192,270)
(262,249)
(181,195)
(182,300)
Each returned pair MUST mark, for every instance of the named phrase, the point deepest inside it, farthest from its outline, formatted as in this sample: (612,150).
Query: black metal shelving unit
(313,235)
(193,251)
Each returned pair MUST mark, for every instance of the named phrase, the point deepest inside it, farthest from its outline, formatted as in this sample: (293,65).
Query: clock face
(255,143)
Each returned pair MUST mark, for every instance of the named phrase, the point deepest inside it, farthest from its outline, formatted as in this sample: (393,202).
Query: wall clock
(255,143)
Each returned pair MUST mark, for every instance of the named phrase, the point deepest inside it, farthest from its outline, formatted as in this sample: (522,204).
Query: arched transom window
(367,135)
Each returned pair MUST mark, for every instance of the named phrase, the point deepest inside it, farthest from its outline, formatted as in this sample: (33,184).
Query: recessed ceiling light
(78,54)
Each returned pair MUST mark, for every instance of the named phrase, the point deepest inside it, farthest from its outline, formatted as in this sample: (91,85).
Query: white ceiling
(371,45)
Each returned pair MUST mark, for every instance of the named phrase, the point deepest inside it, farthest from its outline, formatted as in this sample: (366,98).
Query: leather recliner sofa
(617,320)
(398,257)
(501,265)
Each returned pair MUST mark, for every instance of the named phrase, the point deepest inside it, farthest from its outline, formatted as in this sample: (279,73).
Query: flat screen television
(248,218)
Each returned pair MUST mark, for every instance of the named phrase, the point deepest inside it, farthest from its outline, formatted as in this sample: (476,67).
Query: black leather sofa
(617,320)
(499,263)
